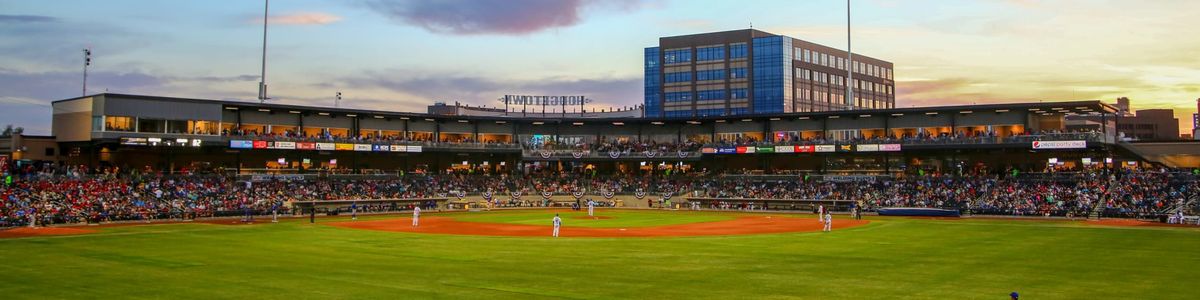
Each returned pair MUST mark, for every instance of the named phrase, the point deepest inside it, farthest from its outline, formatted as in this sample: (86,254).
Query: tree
(9,130)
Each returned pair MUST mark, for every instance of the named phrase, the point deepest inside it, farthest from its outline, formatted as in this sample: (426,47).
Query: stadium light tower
(87,61)
(262,83)
(849,63)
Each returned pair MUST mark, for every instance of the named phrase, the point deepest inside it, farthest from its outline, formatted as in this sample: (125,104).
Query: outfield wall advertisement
(803,149)
(1059,144)
(248,144)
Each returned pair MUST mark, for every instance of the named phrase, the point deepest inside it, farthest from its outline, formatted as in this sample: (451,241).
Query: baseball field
(618,254)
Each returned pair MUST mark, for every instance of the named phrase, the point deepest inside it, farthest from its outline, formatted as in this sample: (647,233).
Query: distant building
(1143,125)
(19,147)
(751,72)
(458,109)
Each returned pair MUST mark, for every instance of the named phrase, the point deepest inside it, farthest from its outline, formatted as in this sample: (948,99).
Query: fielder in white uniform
(828,222)
(557,223)
(821,213)
(416,216)
(591,207)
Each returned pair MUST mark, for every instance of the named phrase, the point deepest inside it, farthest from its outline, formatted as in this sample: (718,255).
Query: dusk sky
(402,55)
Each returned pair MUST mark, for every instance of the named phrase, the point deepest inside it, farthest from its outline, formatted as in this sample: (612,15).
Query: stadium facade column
(437,131)
(678,134)
(475,131)
(639,131)
(299,122)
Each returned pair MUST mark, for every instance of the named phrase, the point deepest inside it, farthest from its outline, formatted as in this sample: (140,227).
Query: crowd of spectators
(80,194)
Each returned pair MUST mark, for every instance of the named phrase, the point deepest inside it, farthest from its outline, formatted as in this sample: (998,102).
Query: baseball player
(591,207)
(828,222)
(416,216)
(821,213)
(557,223)
(354,211)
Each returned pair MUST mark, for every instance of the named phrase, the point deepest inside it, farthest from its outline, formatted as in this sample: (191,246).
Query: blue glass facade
(772,74)
(653,104)
(753,72)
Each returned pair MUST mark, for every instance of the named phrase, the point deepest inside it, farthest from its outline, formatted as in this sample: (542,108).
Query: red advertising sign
(306,146)
(805,149)
(260,144)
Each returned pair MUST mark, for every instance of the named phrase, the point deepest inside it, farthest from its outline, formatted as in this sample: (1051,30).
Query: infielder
(828,222)
(821,213)
(416,216)
(557,223)
(591,207)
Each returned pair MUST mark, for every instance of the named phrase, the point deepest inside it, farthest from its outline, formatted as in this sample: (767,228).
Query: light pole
(262,84)
(87,61)
(849,63)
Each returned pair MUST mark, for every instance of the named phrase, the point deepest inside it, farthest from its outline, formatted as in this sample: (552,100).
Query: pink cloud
(300,18)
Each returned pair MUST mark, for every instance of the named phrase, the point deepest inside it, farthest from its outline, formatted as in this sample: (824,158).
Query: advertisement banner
(362,147)
(845,148)
(241,144)
(785,149)
(824,148)
(765,150)
(134,141)
(889,147)
(1059,144)
(744,150)
(414,148)
(380,148)
(398,148)
(285,145)
(260,145)
(868,147)
(805,149)
(326,146)
(727,150)
(343,147)
(306,146)
(708,150)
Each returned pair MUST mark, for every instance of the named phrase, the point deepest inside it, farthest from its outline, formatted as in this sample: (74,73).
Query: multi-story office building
(745,72)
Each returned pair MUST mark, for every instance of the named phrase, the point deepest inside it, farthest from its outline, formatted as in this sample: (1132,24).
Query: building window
(710,95)
(97,123)
(677,56)
(177,126)
(710,53)
(678,77)
(710,75)
(738,93)
(737,51)
(151,125)
(203,127)
(49,151)
(736,73)
(678,96)
(118,123)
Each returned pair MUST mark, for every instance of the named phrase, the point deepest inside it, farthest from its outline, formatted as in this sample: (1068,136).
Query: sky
(405,54)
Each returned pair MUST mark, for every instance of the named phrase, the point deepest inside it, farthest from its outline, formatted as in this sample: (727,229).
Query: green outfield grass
(619,218)
(891,258)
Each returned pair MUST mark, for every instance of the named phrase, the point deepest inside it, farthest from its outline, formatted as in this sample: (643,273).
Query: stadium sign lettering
(398,148)
(868,147)
(727,150)
(414,148)
(544,100)
(343,147)
(785,149)
(306,146)
(285,145)
(806,149)
(765,150)
(745,150)
(326,146)
(260,144)
(381,148)
(824,148)
(708,150)
(889,147)
(362,147)
(1059,144)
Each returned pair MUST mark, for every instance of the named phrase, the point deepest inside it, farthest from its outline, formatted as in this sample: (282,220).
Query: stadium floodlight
(87,61)
(657,123)
(293,111)
(694,122)
(774,119)
(577,123)
(802,118)
(864,116)
(1001,110)
(323,113)
(262,83)
(834,117)
(897,115)
(932,113)
(430,120)
(464,121)
(351,115)
(378,117)
(966,112)
(618,123)
(264,110)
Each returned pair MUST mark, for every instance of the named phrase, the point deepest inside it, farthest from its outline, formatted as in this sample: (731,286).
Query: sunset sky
(402,55)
